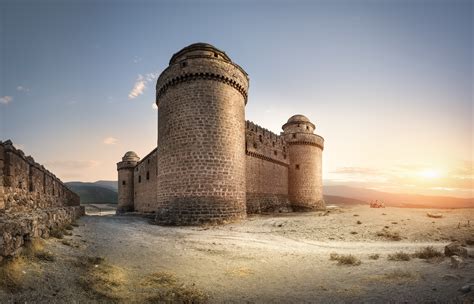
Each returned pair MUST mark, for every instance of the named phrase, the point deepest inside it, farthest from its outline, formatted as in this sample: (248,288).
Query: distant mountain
(113,185)
(399,200)
(100,192)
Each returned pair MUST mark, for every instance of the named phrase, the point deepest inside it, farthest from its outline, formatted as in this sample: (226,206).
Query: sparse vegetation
(390,235)
(166,289)
(399,256)
(374,256)
(45,256)
(74,224)
(12,274)
(353,232)
(399,275)
(345,259)
(66,242)
(359,222)
(100,278)
(68,227)
(434,215)
(428,253)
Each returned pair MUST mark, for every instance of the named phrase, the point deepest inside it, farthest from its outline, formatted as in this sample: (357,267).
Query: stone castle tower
(305,169)
(210,164)
(201,99)
(125,176)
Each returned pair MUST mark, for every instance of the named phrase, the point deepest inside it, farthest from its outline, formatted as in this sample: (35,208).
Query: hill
(98,193)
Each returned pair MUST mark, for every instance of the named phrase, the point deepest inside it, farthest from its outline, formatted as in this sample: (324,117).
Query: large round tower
(305,187)
(125,182)
(201,98)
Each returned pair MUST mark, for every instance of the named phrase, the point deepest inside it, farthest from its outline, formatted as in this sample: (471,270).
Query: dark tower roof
(196,47)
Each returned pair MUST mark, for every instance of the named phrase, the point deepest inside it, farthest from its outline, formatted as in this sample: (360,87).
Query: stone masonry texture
(32,200)
(211,165)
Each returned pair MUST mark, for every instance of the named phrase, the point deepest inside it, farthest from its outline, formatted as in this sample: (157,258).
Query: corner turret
(125,170)
(305,168)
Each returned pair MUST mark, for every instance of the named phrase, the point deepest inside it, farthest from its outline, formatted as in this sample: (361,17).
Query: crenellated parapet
(263,143)
(28,185)
(202,62)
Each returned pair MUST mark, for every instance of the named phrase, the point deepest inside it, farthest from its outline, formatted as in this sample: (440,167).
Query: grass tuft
(390,235)
(12,273)
(345,259)
(399,256)
(374,256)
(428,253)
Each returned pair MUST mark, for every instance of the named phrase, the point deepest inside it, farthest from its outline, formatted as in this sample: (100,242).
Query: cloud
(154,106)
(22,89)
(72,164)
(141,84)
(6,99)
(136,59)
(110,140)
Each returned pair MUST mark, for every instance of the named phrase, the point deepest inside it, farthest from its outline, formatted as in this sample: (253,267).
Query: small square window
(275,152)
(124,183)
(297,167)
(294,135)
(184,64)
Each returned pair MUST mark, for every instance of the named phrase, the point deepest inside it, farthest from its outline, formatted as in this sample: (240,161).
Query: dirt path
(266,259)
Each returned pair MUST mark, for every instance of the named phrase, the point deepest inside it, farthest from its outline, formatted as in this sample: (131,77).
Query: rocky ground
(355,254)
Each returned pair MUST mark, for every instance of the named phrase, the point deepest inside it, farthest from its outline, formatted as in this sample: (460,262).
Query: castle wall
(266,170)
(145,184)
(30,194)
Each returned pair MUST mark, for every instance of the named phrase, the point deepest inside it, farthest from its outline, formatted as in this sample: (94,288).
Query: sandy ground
(277,259)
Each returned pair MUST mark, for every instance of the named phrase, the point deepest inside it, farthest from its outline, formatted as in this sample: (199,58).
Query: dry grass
(428,253)
(102,279)
(399,256)
(164,287)
(74,224)
(69,227)
(35,249)
(374,256)
(399,275)
(345,259)
(390,235)
(12,273)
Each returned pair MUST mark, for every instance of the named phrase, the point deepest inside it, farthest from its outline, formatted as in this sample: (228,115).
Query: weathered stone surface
(455,248)
(32,200)
(16,228)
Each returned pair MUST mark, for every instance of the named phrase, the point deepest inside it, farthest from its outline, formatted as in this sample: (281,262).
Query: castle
(211,165)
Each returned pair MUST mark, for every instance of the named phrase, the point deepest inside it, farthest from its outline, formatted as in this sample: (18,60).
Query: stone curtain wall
(145,184)
(32,200)
(266,170)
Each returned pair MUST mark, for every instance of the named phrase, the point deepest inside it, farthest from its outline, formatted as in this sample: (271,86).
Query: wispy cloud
(141,84)
(137,59)
(110,140)
(22,89)
(6,99)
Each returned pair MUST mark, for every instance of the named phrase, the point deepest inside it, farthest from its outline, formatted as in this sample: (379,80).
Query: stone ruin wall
(145,183)
(33,201)
(267,164)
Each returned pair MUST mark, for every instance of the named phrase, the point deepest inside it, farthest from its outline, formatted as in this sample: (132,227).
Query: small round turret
(125,170)
(305,168)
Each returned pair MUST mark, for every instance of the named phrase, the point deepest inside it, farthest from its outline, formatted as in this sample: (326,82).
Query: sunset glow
(388,84)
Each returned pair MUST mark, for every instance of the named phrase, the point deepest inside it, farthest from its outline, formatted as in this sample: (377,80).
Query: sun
(430,173)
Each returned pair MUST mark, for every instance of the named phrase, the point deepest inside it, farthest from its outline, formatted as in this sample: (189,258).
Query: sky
(389,84)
